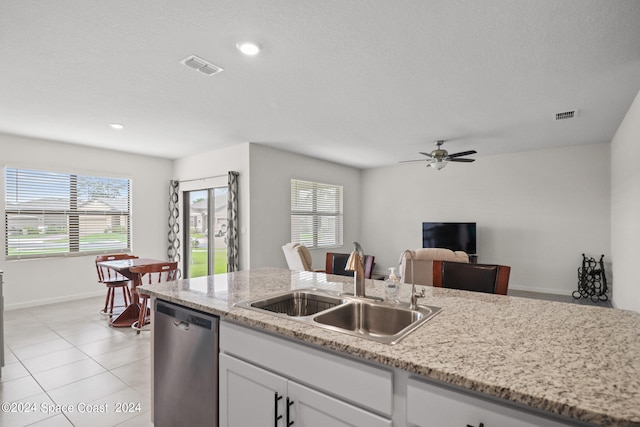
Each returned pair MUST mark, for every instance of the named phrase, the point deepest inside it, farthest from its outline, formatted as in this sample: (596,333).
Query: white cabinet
(432,405)
(252,396)
(261,373)
(311,408)
(357,382)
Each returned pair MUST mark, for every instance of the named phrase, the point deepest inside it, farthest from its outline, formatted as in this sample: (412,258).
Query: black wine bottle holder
(592,280)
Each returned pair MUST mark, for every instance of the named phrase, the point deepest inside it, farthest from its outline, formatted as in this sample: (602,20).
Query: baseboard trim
(36,303)
(554,291)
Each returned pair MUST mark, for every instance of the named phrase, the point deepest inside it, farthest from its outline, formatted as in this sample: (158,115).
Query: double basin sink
(378,321)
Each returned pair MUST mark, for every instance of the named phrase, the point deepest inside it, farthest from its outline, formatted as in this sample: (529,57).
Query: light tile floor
(64,366)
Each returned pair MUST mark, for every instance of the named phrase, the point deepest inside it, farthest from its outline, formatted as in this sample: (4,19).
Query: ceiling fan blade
(462,160)
(463,153)
(425,154)
(410,161)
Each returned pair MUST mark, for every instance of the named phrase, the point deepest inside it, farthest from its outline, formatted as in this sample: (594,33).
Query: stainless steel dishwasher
(185,366)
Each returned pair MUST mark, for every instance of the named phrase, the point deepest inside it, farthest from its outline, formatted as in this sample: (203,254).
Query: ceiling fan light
(438,165)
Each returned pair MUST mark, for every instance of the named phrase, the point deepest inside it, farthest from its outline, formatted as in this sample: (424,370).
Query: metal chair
(488,278)
(113,280)
(151,274)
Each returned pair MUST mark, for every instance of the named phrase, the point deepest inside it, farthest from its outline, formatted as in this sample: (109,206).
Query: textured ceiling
(361,82)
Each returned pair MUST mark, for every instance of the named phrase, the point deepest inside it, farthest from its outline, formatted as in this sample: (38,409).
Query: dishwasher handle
(185,318)
(180,324)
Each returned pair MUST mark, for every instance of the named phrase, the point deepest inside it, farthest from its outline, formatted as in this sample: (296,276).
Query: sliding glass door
(205,225)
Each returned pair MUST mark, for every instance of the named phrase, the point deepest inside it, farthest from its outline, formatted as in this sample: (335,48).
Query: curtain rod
(202,179)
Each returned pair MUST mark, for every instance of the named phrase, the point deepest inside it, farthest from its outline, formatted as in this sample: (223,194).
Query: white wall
(271,174)
(536,211)
(625,210)
(40,281)
(218,163)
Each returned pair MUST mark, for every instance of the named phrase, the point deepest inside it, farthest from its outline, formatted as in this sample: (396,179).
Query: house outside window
(316,214)
(60,214)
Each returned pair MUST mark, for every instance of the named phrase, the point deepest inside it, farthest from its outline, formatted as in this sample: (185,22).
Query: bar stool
(113,280)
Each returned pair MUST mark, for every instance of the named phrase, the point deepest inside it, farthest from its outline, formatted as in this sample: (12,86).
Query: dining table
(130,314)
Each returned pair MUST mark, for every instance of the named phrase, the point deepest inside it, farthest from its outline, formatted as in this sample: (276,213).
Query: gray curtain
(173,250)
(232,229)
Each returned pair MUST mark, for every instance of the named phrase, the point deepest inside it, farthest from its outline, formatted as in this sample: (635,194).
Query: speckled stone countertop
(579,361)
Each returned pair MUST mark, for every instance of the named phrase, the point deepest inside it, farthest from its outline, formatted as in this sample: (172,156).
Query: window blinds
(49,214)
(316,214)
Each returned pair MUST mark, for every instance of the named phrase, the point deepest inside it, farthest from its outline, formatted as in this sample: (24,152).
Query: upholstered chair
(488,278)
(298,257)
(423,264)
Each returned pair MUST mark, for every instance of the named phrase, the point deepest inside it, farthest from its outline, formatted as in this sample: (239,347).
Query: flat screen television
(457,236)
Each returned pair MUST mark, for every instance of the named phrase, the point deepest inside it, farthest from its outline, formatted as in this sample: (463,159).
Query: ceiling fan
(439,157)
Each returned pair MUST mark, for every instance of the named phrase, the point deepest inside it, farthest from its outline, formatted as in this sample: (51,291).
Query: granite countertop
(574,360)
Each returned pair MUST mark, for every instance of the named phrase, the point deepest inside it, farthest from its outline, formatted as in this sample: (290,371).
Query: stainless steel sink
(298,303)
(378,321)
(373,320)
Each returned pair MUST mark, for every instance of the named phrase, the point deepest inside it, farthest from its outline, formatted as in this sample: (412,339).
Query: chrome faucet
(414,294)
(355,263)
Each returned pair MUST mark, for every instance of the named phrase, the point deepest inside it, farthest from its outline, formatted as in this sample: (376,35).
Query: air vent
(199,64)
(567,115)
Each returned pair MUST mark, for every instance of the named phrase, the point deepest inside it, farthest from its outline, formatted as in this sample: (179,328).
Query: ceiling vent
(200,65)
(567,115)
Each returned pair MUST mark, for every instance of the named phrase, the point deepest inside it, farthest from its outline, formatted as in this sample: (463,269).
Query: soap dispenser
(392,286)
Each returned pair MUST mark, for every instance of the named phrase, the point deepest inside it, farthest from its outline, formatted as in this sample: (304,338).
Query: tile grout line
(41,323)
(44,391)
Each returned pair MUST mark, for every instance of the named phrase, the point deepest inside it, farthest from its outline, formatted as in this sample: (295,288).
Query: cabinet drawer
(432,405)
(362,384)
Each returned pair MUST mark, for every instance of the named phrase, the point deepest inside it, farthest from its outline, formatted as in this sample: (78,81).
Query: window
(316,214)
(53,214)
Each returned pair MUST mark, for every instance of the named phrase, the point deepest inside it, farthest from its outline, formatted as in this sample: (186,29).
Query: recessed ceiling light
(117,126)
(248,48)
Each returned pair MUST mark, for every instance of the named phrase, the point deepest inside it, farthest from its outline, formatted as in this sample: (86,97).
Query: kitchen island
(576,363)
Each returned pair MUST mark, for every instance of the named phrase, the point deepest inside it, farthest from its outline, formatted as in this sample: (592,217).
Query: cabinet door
(310,408)
(248,395)
(429,405)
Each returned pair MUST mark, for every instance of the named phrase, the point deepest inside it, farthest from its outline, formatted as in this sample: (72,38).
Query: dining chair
(298,257)
(149,275)
(113,280)
(335,263)
(488,278)
(423,264)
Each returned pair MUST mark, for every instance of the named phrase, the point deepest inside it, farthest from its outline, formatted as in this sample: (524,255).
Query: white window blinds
(52,214)
(316,214)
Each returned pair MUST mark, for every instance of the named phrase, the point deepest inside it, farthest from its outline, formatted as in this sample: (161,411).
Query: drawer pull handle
(289,403)
(481,425)
(277,417)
